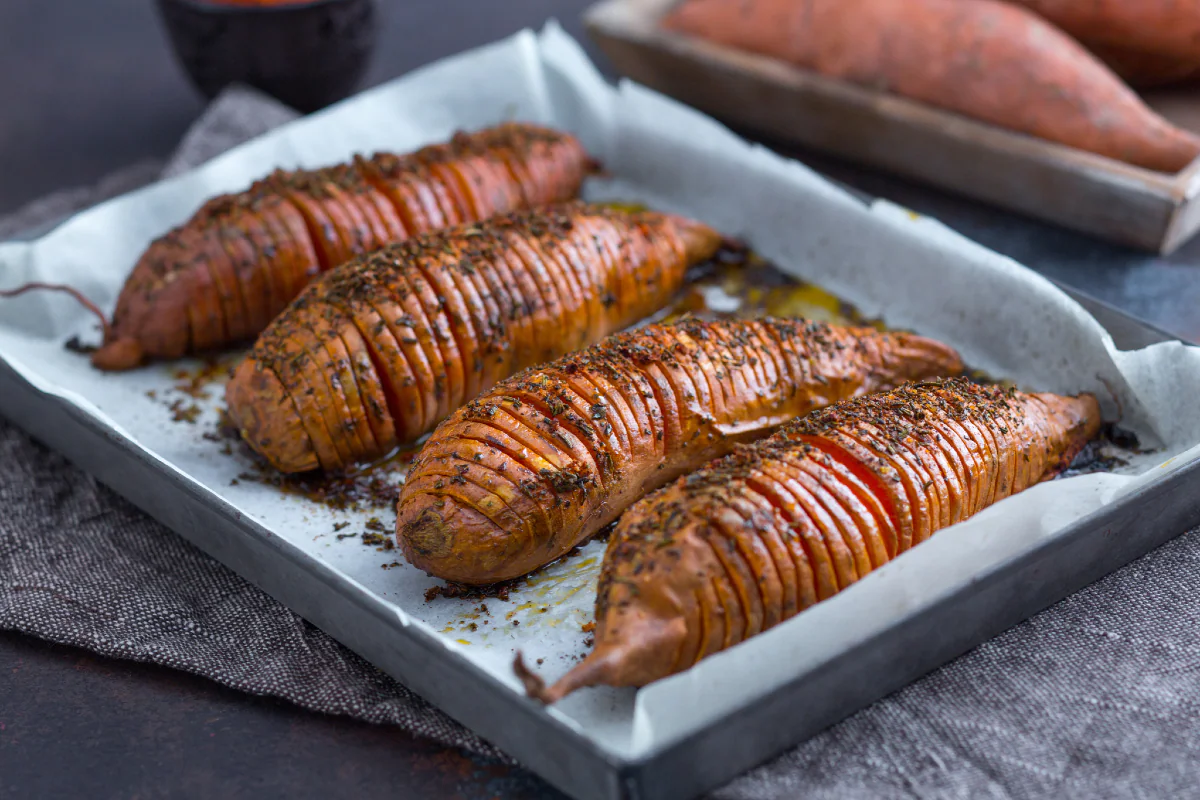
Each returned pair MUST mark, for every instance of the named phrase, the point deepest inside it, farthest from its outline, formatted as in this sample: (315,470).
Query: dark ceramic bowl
(306,55)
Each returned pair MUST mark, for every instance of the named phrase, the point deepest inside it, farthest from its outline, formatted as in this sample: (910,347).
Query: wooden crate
(1083,191)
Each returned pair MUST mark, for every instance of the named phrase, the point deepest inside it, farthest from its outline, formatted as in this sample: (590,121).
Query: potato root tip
(119,354)
(116,354)
(592,671)
(535,687)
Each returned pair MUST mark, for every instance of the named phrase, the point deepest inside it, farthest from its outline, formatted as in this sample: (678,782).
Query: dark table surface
(89,87)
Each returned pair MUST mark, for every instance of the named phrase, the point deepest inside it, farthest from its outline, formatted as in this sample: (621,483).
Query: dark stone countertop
(90,87)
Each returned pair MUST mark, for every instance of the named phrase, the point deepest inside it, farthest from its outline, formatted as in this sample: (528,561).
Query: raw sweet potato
(1147,70)
(223,275)
(544,460)
(767,532)
(1165,28)
(1148,43)
(377,352)
(985,59)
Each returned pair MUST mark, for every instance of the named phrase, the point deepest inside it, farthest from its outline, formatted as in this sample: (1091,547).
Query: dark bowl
(306,55)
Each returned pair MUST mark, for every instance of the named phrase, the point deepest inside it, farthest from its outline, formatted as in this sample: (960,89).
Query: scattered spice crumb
(456,590)
(588,627)
(341,536)
(589,641)
(374,486)
(184,413)
(338,526)
(195,383)
(74,345)
(539,661)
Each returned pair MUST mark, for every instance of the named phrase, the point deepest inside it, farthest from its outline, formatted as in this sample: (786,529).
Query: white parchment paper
(910,271)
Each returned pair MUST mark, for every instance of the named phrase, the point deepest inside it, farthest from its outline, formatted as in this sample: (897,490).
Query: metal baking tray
(1100,196)
(669,155)
(997,599)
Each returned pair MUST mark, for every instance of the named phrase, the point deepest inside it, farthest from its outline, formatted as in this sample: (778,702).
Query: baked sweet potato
(767,532)
(227,272)
(378,351)
(544,460)
(985,59)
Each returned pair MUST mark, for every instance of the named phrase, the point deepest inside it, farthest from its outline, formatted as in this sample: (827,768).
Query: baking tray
(920,638)
(1006,595)
(1085,192)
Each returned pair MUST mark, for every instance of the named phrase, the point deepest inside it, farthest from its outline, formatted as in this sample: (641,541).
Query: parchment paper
(912,272)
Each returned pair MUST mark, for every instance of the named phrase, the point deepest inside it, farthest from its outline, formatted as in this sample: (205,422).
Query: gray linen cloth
(1096,697)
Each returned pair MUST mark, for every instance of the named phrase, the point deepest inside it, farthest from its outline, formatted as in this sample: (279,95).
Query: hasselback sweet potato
(223,275)
(544,460)
(985,59)
(756,538)
(378,351)
(1166,28)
